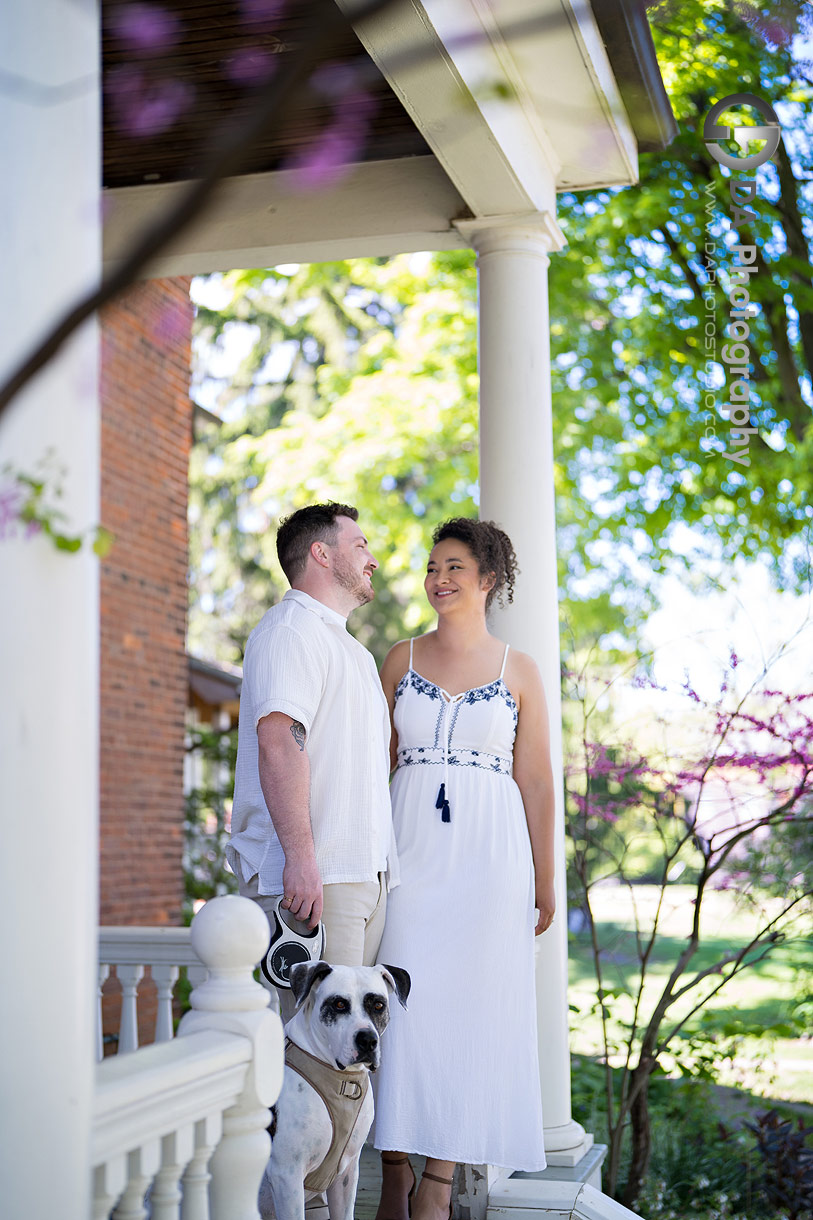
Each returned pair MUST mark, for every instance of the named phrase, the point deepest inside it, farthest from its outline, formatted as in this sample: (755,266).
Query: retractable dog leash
(289,947)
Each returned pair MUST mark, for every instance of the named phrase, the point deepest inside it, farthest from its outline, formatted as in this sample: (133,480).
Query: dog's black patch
(402,982)
(334,1008)
(272,1129)
(345,1179)
(305,975)
(377,1010)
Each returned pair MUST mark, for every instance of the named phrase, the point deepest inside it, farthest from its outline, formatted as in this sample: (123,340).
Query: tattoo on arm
(298,731)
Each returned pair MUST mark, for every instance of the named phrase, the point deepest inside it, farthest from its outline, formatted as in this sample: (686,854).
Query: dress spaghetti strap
(504,659)
(411,642)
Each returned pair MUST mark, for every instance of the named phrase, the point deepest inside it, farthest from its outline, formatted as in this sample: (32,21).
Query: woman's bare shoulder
(523,671)
(523,660)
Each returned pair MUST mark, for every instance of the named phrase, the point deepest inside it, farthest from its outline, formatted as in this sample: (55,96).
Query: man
(311,818)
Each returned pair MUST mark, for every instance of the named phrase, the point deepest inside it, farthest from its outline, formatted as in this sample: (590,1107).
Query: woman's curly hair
(491,547)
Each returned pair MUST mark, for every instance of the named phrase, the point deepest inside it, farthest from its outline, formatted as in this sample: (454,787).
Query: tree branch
(226,158)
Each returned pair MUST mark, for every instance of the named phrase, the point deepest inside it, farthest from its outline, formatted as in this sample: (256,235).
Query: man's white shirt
(301,660)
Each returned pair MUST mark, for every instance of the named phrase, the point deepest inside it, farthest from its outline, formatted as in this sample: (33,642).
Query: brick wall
(145,452)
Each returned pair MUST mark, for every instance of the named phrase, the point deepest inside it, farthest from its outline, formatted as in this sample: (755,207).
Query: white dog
(325,1109)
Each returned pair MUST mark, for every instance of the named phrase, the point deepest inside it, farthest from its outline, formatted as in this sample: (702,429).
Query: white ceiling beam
(572,85)
(516,98)
(262,220)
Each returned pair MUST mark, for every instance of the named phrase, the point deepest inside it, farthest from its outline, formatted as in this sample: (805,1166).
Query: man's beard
(345,576)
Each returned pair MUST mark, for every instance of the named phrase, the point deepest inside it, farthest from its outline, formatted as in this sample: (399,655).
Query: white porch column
(49,252)
(516,491)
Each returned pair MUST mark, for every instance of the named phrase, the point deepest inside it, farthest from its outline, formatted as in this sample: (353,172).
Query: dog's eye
(340,1005)
(379,1006)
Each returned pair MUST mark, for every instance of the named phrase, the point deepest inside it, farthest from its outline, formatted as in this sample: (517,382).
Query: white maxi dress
(459,1076)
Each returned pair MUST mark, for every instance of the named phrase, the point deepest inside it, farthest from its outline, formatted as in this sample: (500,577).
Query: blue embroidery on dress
(416,756)
(476,694)
(423,687)
(439,724)
(453,721)
(487,692)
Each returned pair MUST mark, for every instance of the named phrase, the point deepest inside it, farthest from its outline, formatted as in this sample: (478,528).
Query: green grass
(765,995)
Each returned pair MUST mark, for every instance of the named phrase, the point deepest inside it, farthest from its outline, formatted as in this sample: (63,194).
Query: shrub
(787,1163)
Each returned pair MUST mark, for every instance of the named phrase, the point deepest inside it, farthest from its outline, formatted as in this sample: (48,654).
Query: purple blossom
(330,156)
(145,108)
(146,27)
(11,503)
(690,691)
(173,324)
(772,30)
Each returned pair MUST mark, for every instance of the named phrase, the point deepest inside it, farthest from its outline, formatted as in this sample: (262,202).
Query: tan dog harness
(343,1094)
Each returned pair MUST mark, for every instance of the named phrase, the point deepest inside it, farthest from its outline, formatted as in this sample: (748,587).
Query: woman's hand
(545,903)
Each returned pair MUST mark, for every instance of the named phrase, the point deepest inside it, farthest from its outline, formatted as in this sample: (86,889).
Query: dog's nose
(366,1041)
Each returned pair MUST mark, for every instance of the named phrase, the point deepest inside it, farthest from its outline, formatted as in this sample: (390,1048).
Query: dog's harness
(343,1094)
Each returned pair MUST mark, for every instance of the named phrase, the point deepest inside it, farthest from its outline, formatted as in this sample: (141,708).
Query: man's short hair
(297,533)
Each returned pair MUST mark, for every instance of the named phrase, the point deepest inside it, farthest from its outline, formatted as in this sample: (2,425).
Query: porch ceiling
(222,49)
(482,108)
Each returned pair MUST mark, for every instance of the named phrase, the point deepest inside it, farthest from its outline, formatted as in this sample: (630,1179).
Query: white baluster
(104,975)
(177,1150)
(129,977)
(164,978)
(229,935)
(195,1205)
(142,1166)
(109,1180)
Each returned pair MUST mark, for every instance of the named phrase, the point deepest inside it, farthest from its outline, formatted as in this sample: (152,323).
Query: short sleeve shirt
(301,660)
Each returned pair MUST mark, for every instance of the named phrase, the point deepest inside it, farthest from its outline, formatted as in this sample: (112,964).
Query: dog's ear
(398,981)
(303,976)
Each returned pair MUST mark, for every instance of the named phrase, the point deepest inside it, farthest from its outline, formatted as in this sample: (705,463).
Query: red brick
(145,452)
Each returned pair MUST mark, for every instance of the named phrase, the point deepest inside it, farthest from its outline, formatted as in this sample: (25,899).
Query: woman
(473,811)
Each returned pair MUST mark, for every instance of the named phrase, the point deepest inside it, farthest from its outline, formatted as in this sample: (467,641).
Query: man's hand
(302,888)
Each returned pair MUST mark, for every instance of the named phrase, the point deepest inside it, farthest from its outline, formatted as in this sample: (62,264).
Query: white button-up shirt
(301,660)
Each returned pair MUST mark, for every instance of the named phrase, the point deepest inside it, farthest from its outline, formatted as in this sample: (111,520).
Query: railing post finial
(230,935)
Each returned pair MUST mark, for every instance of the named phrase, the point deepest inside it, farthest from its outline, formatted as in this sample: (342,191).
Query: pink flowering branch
(766,735)
(153,107)
(271,105)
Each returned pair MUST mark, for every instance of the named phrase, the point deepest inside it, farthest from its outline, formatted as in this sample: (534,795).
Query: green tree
(374,404)
(361,383)
(760,741)
(635,454)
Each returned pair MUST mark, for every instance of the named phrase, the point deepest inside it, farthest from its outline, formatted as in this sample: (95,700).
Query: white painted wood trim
(598,67)
(261,220)
(49,611)
(439,58)
(146,946)
(526,1200)
(560,109)
(159,1089)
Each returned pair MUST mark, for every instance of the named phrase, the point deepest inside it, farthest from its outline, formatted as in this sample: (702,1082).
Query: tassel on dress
(442,804)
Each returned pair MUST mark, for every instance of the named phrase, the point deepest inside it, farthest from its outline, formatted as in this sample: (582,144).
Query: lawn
(766,994)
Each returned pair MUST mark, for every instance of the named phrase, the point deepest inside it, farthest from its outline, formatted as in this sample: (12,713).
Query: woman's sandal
(402,1160)
(433,1177)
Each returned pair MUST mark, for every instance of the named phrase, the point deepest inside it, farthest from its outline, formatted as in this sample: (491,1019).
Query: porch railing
(186,1119)
(129,951)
